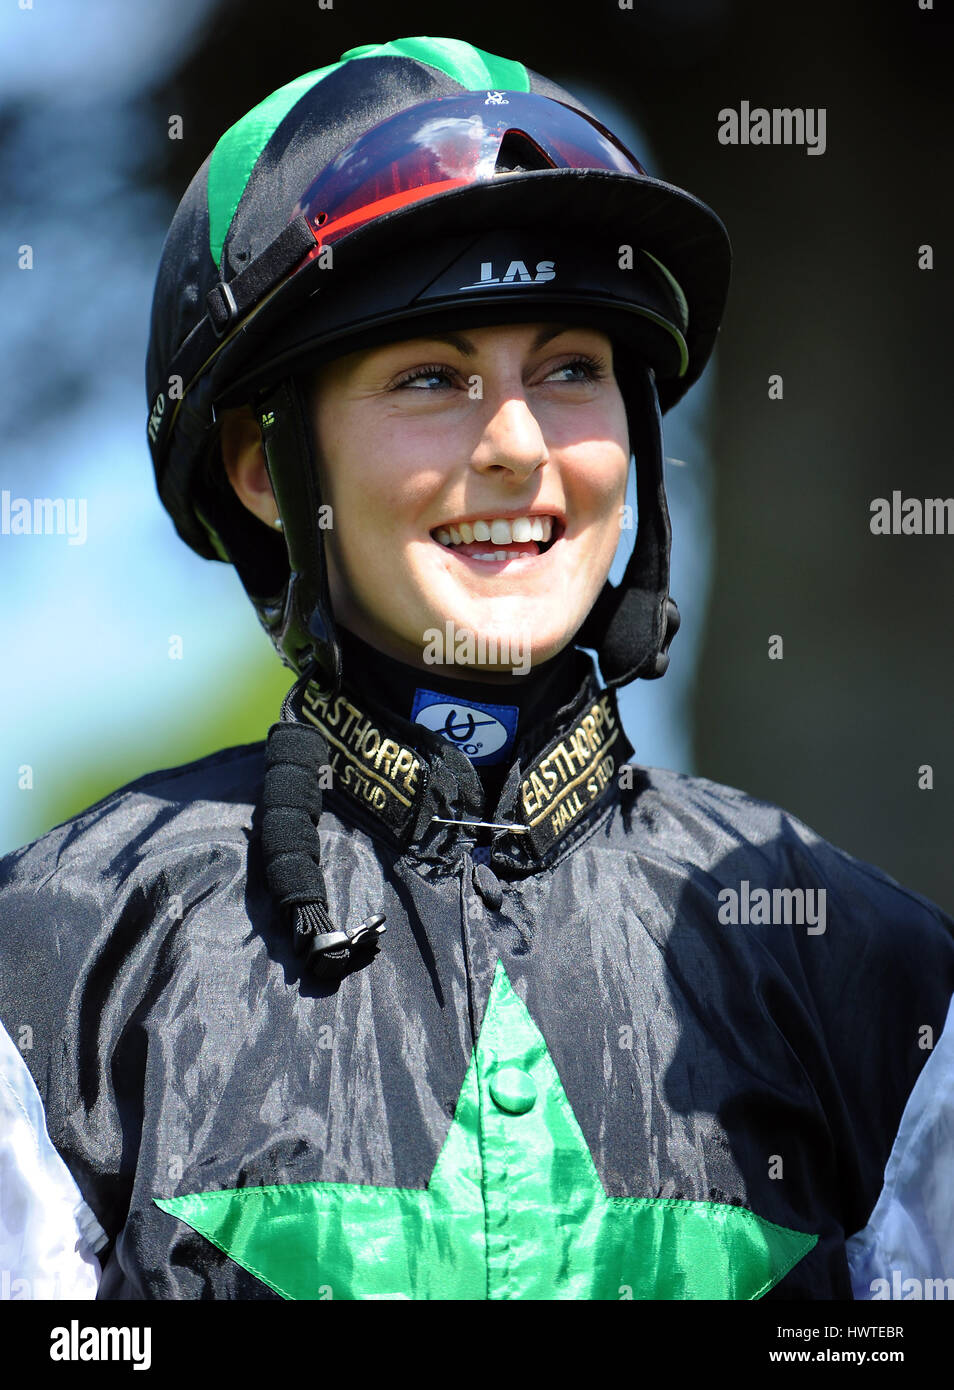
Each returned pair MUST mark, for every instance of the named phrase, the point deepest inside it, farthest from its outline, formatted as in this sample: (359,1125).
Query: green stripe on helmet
(236,153)
(472,67)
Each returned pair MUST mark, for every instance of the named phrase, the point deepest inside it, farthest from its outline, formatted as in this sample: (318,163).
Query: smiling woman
(484,487)
(609,1045)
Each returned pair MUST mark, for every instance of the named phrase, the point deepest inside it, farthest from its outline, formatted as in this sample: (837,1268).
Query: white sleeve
(910,1234)
(49,1236)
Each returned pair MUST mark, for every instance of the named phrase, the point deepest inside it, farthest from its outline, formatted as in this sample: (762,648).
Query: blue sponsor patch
(485,733)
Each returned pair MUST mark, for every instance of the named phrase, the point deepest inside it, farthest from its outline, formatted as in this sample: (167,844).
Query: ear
(243,458)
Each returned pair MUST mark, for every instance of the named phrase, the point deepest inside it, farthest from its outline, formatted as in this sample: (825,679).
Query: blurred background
(771,499)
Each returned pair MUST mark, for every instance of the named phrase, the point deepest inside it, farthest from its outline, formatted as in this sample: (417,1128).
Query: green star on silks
(514,1209)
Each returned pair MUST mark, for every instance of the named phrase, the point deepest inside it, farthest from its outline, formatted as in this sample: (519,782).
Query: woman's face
(475,479)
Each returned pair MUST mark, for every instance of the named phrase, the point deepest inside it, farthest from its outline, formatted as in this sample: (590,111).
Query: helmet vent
(518,153)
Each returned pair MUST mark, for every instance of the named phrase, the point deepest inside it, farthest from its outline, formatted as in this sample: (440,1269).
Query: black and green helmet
(412,185)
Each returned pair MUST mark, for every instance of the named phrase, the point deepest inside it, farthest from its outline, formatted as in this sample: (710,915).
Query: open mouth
(495,539)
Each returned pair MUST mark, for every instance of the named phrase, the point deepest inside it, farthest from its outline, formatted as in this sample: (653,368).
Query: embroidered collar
(424,791)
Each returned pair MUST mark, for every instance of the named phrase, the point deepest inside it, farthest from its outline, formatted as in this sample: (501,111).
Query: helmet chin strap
(306,631)
(632,624)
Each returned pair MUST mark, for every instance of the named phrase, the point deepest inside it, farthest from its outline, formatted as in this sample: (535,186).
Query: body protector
(412,186)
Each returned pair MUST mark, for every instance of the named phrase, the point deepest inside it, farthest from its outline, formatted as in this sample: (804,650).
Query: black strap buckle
(223,310)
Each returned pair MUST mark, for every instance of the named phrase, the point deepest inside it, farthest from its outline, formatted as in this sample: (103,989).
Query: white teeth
(498,531)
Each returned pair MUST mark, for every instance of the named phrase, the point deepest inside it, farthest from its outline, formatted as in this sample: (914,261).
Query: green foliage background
(246,706)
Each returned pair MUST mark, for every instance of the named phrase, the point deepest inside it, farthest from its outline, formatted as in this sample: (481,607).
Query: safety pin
(483,825)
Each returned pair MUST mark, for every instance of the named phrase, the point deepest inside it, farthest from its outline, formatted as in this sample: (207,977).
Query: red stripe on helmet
(381,206)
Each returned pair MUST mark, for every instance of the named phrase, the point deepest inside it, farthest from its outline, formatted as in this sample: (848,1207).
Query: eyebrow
(468,349)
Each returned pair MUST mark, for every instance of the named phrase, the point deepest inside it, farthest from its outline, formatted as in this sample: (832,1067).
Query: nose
(512,440)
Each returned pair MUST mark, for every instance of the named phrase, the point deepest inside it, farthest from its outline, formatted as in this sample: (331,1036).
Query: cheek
(346,469)
(379,486)
(595,465)
(595,480)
